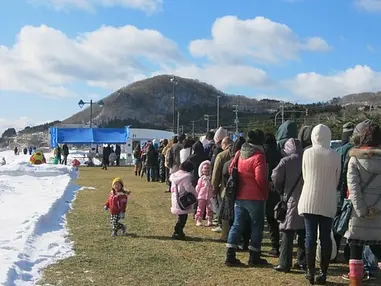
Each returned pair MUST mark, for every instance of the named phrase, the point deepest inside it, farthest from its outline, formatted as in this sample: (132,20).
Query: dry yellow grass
(147,255)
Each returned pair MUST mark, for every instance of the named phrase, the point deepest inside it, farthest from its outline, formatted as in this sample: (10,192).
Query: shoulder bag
(231,184)
(341,221)
(185,200)
(280,209)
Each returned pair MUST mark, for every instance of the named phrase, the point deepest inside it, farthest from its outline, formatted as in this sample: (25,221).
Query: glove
(105,208)
(122,215)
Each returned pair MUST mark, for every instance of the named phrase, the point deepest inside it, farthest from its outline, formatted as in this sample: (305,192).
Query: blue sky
(55,52)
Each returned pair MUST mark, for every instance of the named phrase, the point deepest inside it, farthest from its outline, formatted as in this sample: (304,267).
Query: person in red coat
(251,194)
(116,205)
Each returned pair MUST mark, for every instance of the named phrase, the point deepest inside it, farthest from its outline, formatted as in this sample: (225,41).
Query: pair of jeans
(273,224)
(180,224)
(312,223)
(151,173)
(370,260)
(255,212)
(286,248)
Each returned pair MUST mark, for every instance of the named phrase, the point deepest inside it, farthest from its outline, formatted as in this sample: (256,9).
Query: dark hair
(371,136)
(175,139)
(165,142)
(238,144)
(209,135)
(256,137)
(182,138)
(187,166)
(188,143)
(270,139)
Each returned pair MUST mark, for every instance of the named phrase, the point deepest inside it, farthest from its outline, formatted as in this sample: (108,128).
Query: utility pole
(192,128)
(218,111)
(236,120)
(178,122)
(282,109)
(174,83)
(206,118)
(305,118)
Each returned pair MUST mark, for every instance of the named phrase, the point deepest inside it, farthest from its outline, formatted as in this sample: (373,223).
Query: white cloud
(369,5)
(44,60)
(314,87)
(253,40)
(18,124)
(370,48)
(148,6)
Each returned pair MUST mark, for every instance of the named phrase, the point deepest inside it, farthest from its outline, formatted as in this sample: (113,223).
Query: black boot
(256,260)
(321,279)
(231,259)
(310,257)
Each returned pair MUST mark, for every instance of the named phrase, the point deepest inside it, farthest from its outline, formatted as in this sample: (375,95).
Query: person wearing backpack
(364,181)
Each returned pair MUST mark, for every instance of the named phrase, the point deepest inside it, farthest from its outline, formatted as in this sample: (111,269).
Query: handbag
(186,200)
(341,221)
(231,184)
(280,209)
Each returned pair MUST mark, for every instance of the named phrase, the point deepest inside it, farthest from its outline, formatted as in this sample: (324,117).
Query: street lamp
(218,111)
(174,83)
(82,103)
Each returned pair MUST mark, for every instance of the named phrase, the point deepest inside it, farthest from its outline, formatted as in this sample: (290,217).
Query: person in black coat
(197,158)
(162,170)
(105,155)
(151,163)
(65,152)
(118,151)
(273,158)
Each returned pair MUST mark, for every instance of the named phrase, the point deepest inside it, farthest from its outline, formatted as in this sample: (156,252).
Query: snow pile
(33,203)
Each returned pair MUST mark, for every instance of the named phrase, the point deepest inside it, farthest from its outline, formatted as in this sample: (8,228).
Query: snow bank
(33,203)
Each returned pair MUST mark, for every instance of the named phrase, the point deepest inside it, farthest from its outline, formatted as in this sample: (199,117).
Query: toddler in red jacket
(116,204)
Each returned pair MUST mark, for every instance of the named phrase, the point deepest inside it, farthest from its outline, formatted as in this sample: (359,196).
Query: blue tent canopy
(88,135)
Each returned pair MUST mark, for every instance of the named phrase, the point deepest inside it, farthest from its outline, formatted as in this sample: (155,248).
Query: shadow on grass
(188,238)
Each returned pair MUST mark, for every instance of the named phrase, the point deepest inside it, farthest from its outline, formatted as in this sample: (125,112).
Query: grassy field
(147,255)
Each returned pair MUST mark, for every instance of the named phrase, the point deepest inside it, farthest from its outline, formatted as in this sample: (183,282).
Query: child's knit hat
(116,180)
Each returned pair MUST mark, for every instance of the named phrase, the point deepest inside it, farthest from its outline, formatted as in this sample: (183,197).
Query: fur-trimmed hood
(206,162)
(368,158)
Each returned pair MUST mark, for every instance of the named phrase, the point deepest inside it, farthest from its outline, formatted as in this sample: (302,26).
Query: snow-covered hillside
(33,203)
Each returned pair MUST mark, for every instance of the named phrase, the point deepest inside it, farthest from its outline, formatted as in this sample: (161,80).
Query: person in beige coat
(218,183)
(364,186)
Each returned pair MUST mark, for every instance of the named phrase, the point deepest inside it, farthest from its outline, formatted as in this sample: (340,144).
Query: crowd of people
(295,173)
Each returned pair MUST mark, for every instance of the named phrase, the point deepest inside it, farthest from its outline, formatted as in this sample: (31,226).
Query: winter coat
(218,183)
(117,202)
(174,157)
(151,157)
(185,154)
(197,158)
(181,181)
(342,187)
(284,177)
(321,173)
(362,164)
(118,150)
(252,173)
(217,150)
(65,150)
(204,187)
(272,159)
(287,130)
(209,149)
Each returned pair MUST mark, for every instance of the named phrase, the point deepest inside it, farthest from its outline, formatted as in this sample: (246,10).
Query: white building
(141,136)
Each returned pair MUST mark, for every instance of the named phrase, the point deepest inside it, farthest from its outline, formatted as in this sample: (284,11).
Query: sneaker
(217,229)
(114,233)
(123,229)
(366,276)
(198,222)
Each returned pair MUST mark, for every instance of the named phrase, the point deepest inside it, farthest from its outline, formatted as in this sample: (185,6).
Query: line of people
(296,170)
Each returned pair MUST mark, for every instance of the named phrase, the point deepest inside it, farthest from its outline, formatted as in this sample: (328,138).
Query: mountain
(149,103)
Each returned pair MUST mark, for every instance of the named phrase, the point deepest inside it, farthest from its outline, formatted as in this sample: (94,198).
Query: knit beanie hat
(347,132)
(256,137)
(359,130)
(220,134)
(117,180)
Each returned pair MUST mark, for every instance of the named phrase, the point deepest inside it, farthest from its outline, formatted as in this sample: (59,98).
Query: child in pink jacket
(204,194)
